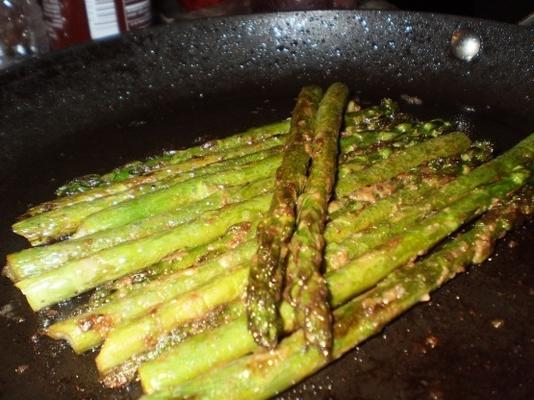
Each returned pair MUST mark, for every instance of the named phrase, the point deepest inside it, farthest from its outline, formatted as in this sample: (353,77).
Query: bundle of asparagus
(305,236)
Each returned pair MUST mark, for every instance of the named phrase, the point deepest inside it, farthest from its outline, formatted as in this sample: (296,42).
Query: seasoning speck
(413,100)
(497,323)
(22,368)
(432,341)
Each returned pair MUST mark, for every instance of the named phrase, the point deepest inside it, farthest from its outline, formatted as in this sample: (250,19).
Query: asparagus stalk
(116,306)
(185,170)
(125,373)
(344,283)
(306,288)
(140,335)
(520,154)
(124,207)
(110,306)
(262,375)
(175,196)
(136,168)
(347,145)
(182,259)
(442,146)
(57,222)
(372,118)
(87,330)
(181,363)
(66,281)
(266,275)
(402,134)
(37,260)
(150,180)
(351,240)
(163,200)
(381,210)
(365,271)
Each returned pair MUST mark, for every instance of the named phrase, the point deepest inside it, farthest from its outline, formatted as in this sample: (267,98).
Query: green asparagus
(141,335)
(188,257)
(357,276)
(87,330)
(56,222)
(124,207)
(37,260)
(251,136)
(66,281)
(116,306)
(197,166)
(265,281)
(142,224)
(262,375)
(306,288)
(442,146)
(125,372)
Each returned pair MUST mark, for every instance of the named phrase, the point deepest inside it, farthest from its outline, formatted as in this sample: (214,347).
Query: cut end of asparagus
(9,273)
(83,335)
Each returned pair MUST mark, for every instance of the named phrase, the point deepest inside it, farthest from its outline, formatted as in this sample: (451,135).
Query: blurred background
(33,27)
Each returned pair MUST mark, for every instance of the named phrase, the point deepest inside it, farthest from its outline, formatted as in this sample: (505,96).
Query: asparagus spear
(306,286)
(126,341)
(181,363)
(442,146)
(101,261)
(57,222)
(266,275)
(185,170)
(372,118)
(124,207)
(87,330)
(363,272)
(136,168)
(135,282)
(361,141)
(382,209)
(140,335)
(350,240)
(116,306)
(34,261)
(113,311)
(125,373)
(165,199)
(66,281)
(521,153)
(262,375)
(344,283)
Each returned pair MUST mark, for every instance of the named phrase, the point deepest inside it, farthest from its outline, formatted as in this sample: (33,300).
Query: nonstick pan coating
(90,108)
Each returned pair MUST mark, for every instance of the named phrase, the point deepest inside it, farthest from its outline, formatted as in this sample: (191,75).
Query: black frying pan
(94,107)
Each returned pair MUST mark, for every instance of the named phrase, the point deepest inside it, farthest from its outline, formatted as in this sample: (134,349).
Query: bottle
(22,31)
(72,22)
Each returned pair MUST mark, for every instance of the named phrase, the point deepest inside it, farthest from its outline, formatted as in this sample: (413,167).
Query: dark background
(505,11)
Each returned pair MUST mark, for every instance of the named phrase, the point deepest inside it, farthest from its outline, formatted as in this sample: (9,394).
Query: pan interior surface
(92,108)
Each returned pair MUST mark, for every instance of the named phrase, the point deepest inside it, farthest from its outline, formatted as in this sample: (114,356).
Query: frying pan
(93,107)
